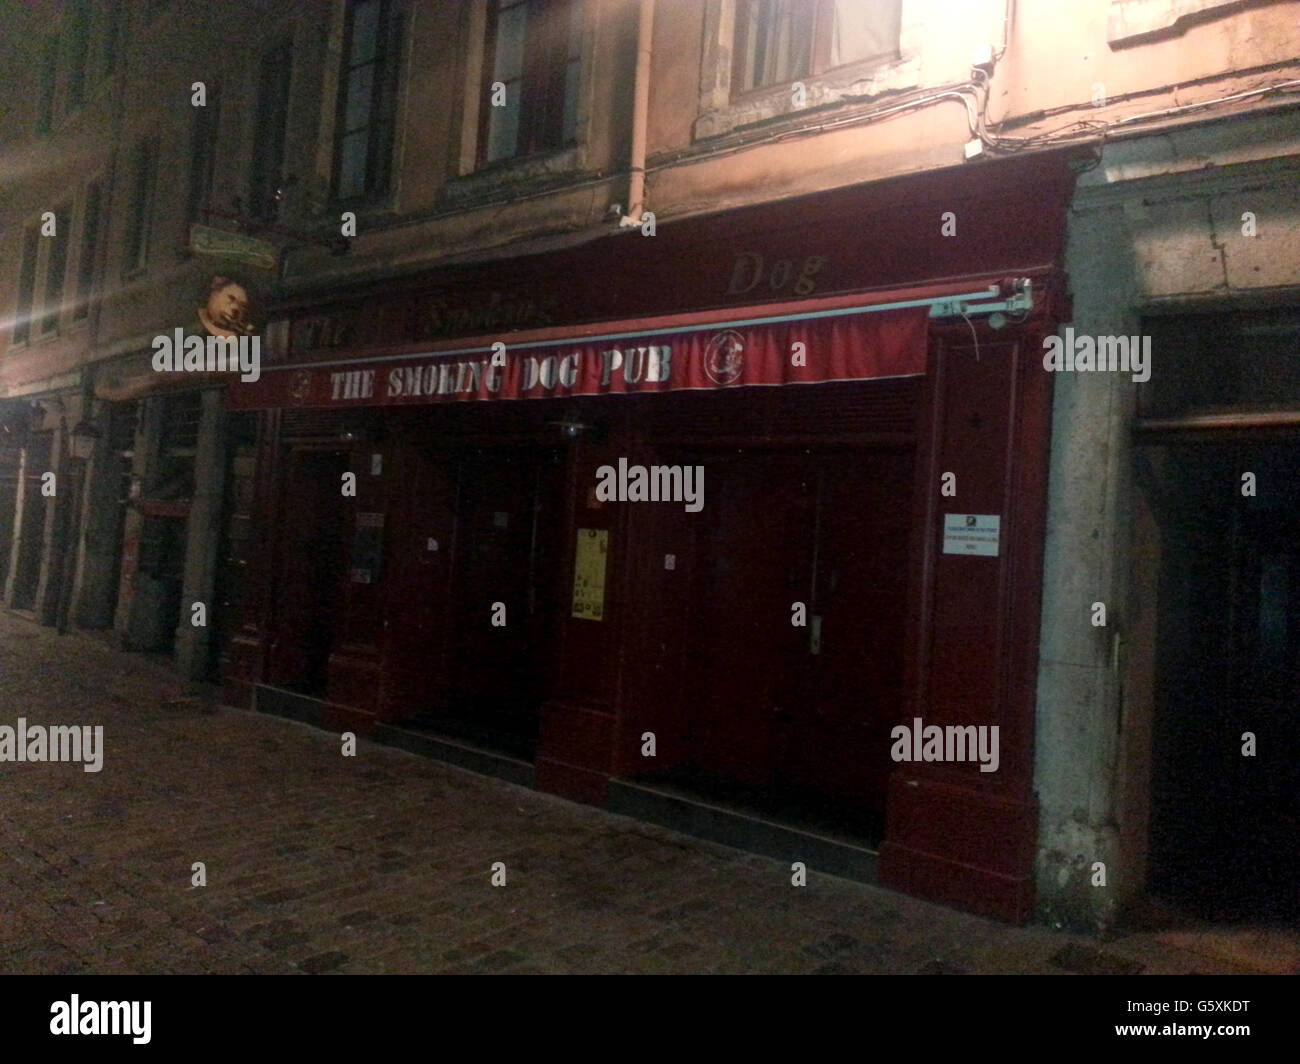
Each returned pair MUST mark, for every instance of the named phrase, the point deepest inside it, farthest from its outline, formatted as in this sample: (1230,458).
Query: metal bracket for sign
(961,307)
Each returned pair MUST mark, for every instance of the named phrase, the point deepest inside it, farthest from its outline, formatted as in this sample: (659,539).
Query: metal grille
(122,421)
(314,424)
(180,427)
(884,406)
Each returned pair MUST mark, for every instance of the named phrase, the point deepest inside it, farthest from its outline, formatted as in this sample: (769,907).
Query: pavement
(383,862)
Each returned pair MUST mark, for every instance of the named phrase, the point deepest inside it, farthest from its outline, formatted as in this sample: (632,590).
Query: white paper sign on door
(971,533)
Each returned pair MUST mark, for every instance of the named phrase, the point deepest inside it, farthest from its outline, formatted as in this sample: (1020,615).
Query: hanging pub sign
(860,346)
(218,344)
(225,312)
(232,247)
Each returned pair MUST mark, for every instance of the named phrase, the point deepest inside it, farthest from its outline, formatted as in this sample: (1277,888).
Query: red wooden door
(756,553)
(309,569)
(418,561)
(808,706)
(835,738)
(506,554)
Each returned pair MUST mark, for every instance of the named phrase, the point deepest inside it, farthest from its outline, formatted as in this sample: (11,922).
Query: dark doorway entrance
(504,595)
(309,563)
(63,548)
(10,468)
(159,582)
(236,542)
(1224,826)
(797,717)
(31,543)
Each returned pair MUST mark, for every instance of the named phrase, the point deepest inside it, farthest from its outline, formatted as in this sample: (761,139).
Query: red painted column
(575,746)
(956,834)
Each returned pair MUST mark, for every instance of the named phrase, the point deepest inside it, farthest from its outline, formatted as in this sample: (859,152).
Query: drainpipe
(640,114)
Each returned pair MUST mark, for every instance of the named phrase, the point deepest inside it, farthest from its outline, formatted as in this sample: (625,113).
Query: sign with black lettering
(589,574)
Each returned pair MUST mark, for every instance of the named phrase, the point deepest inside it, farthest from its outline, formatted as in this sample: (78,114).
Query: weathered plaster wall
(1174,232)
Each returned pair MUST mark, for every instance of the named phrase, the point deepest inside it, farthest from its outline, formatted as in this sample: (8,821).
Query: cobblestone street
(382,862)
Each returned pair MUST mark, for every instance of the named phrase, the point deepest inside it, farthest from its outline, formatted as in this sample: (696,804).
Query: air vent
(885,406)
(321,424)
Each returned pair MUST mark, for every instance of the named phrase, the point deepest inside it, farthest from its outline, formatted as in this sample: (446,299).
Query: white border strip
(992,292)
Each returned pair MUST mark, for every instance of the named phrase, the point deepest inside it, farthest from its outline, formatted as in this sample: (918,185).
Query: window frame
(1137,21)
(205,131)
(143,191)
(821,37)
(1223,377)
(47,98)
(57,260)
(721,110)
(112,32)
(92,235)
(543,70)
(78,53)
(25,290)
(381,117)
(266,172)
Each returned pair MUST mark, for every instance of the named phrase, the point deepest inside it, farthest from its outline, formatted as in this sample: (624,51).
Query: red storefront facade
(477,578)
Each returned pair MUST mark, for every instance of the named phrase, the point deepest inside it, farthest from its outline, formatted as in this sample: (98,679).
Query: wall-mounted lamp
(81,440)
(571,429)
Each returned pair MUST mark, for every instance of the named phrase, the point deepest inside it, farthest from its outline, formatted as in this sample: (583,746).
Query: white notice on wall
(971,533)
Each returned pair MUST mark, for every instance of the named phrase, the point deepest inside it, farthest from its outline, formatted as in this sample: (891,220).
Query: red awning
(844,338)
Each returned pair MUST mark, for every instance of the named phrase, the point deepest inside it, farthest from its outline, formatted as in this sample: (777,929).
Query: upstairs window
(142,191)
(272,120)
(26,285)
(779,41)
(49,74)
(110,37)
(56,269)
(78,52)
(90,220)
(534,50)
(367,102)
(1241,361)
(203,156)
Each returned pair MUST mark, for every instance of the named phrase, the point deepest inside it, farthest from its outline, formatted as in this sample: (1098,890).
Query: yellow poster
(589,573)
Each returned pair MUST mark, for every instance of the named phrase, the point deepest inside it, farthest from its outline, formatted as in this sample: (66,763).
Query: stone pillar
(20,500)
(97,555)
(1085,561)
(203,539)
(128,622)
(46,604)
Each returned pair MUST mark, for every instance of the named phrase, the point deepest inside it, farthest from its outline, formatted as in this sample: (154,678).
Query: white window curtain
(779,48)
(862,29)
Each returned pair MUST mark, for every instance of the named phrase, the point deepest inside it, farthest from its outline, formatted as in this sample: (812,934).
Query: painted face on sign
(724,358)
(227,311)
